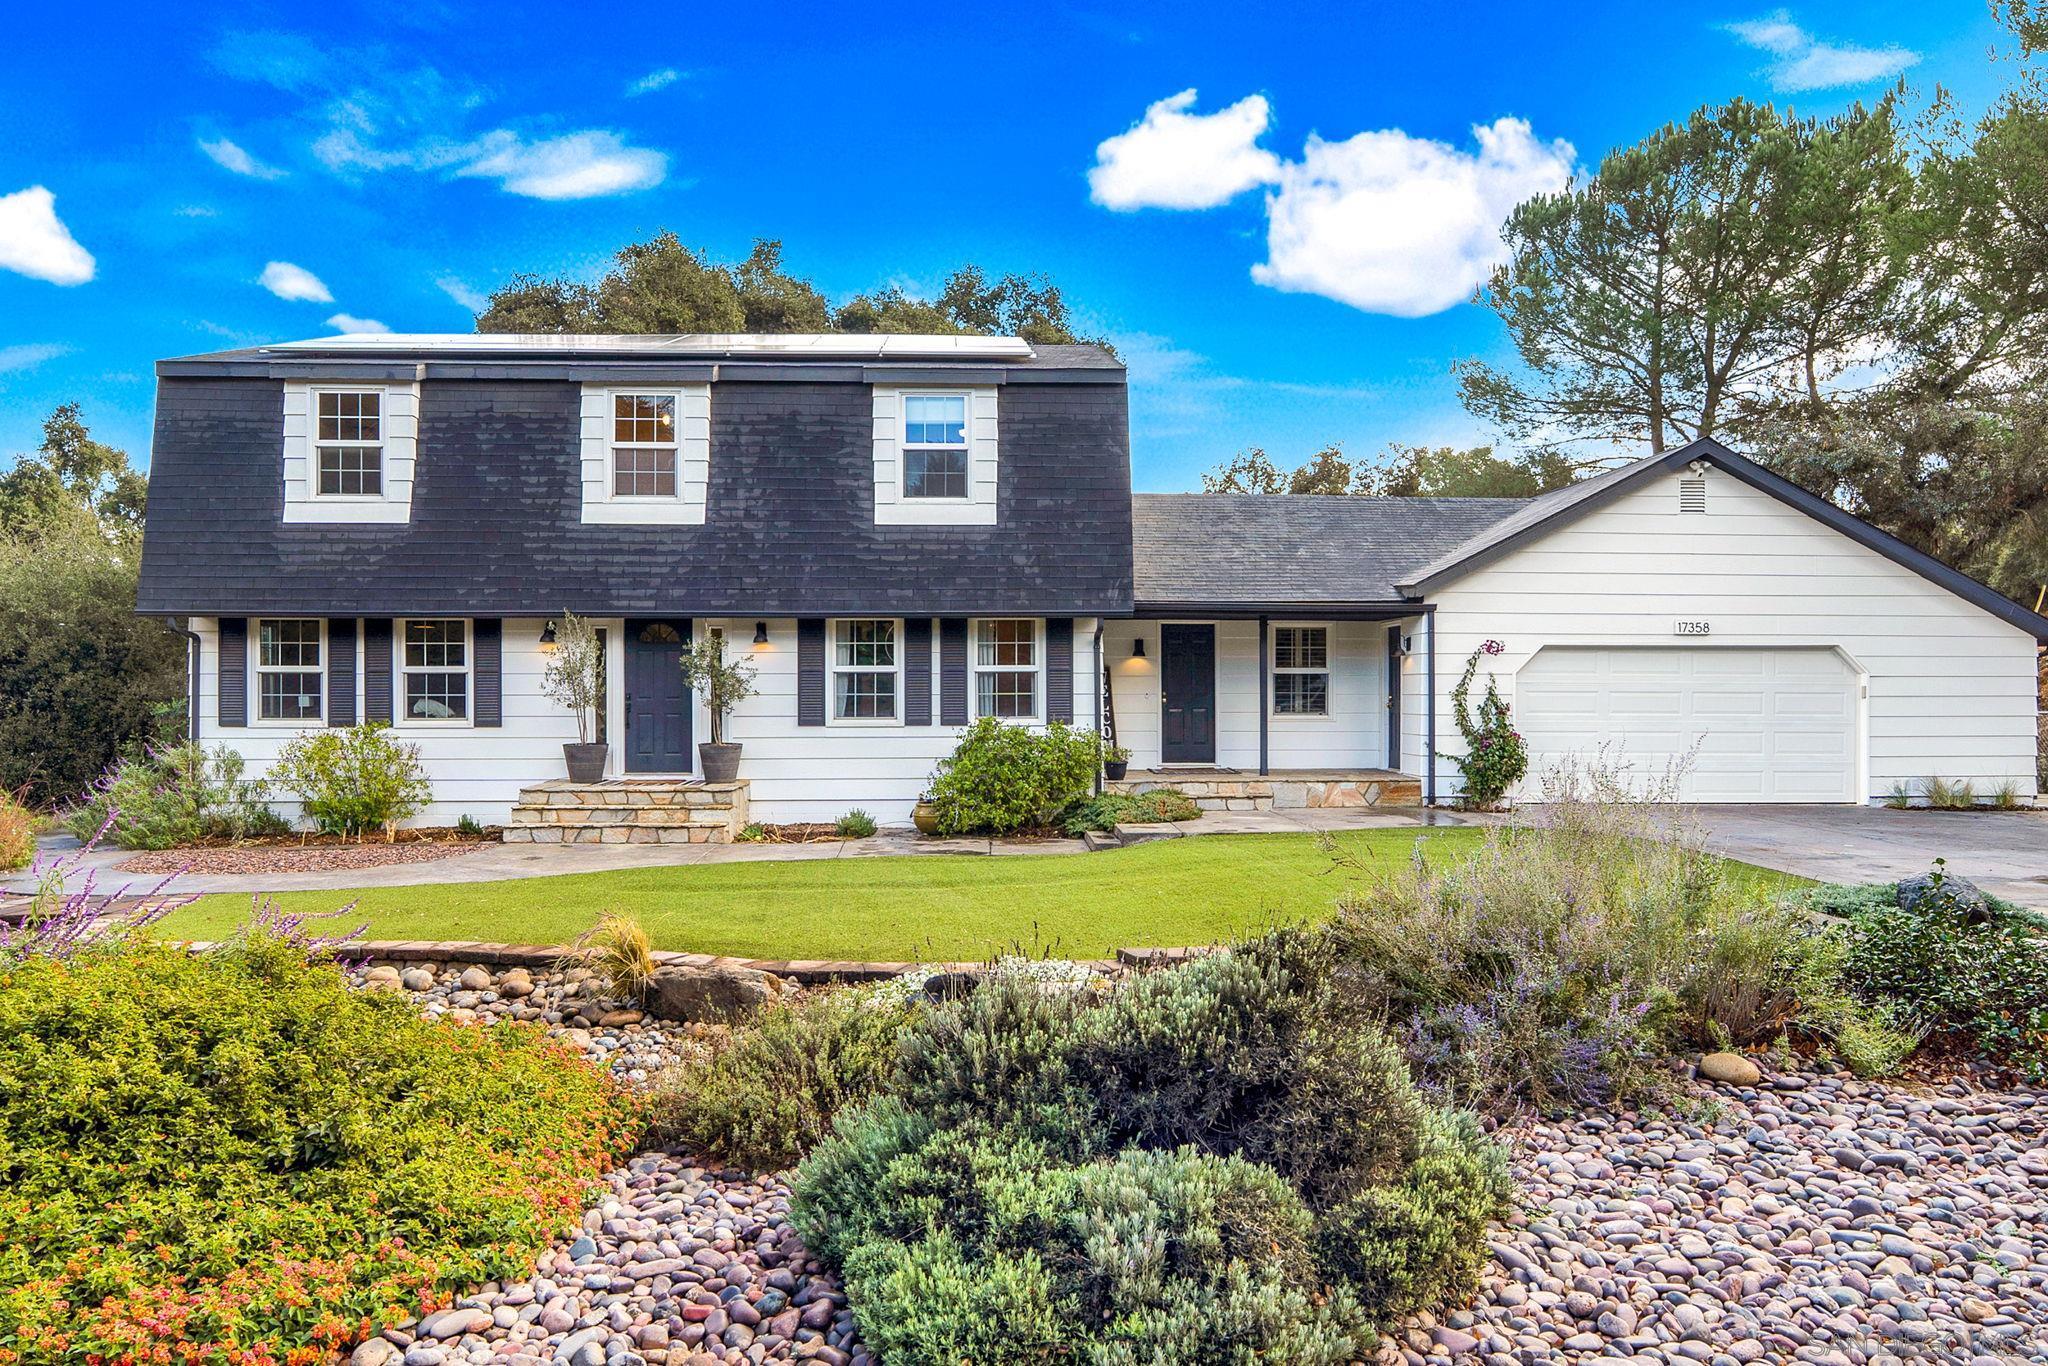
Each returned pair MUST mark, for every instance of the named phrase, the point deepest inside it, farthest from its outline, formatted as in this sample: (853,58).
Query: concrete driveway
(2005,853)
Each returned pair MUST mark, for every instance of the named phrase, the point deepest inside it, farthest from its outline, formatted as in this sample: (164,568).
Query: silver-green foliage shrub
(170,794)
(355,780)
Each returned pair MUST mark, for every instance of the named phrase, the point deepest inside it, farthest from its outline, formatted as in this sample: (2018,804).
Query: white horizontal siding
(1951,688)
(798,773)
(1353,735)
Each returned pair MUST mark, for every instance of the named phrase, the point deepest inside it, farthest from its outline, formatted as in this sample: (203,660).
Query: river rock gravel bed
(1815,1219)
(1810,1218)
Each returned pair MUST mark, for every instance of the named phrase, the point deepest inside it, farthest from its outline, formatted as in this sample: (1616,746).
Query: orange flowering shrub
(232,1157)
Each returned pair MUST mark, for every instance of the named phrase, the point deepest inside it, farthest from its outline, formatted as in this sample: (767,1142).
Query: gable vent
(1692,494)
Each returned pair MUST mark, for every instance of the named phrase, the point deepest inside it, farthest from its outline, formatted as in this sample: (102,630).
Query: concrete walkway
(498,862)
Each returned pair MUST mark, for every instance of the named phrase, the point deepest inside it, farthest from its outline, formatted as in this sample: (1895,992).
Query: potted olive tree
(723,684)
(574,677)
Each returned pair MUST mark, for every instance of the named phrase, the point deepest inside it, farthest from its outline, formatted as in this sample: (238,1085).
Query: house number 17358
(1692,628)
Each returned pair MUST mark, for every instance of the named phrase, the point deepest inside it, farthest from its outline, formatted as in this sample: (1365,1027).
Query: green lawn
(1171,892)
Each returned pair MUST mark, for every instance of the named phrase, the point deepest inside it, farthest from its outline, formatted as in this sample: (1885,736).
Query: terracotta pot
(586,762)
(925,817)
(719,763)
(1115,769)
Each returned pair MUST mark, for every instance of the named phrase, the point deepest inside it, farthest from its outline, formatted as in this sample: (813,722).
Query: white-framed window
(348,443)
(1008,661)
(434,665)
(290,656)
(866,666)
(1301,671)
(935,457)
(646,450)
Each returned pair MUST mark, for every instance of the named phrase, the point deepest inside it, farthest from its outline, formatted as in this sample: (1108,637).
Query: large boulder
(1924,893)
(1730,1069)
(707,994)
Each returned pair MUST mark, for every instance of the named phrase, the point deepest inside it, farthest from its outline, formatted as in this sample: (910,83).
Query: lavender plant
(67,916)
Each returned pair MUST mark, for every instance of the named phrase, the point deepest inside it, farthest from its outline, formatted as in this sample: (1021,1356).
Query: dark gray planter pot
(721,763)
(1115,769)
(586,762)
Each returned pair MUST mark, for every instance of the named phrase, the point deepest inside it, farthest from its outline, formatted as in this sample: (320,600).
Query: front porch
(1282,789)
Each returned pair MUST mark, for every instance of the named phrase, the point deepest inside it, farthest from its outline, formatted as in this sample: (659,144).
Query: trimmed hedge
(235,1152)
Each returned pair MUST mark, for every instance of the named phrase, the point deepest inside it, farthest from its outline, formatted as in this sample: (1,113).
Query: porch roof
(1219,552)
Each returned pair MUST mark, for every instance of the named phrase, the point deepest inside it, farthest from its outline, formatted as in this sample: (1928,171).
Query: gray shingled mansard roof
(1249,550)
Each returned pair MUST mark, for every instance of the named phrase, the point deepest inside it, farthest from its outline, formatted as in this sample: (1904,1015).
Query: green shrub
(168,795)
(1495,757)
(1253,1053)
(928,1303)
(854,825)
(354,780)
(1109,809)
(1136,1177)
(1001,778)
(1421,1241)
(17,833)
(768,1098)
(1002,1056)
(233,1150)
(469,827)
(1981,986)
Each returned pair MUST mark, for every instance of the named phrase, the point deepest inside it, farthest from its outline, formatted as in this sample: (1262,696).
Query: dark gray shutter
(377,671)
(1059,669)
(917,671)
(953,671)
(810,671)
(341,671)
(234,671)
(487,637)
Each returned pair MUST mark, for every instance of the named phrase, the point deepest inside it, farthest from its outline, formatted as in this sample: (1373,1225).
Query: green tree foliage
(1400,472)
(1860,302)
(1738,250)
(660,285)
(81,676)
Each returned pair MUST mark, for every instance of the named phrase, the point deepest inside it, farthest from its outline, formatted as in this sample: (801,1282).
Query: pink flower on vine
(1493,647)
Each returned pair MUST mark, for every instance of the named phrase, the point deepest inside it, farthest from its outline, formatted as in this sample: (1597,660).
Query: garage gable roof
(1541,516)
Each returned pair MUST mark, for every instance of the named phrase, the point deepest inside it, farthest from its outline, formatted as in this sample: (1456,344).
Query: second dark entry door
(657,703)
(1187,697)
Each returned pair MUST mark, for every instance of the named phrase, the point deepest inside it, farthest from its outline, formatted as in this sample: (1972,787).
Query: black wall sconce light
(547,634)
(760,633)
(1138,648)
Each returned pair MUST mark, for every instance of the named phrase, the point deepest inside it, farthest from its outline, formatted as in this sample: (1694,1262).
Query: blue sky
(1278,255)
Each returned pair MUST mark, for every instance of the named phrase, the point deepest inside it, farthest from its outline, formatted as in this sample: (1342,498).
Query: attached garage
(1696,602)
(1760,725)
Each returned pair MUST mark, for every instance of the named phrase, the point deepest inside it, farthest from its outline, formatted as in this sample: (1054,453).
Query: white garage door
(1770,725)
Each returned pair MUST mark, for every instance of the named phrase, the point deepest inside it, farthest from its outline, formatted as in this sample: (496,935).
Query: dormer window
(349,451)
(644,445)
(935,446)
(349,442)
(646,454)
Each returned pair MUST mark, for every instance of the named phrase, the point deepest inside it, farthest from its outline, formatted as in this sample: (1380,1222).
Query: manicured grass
(1174,892)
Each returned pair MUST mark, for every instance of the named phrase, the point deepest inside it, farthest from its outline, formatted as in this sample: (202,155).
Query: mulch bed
(307,854)
(800,832)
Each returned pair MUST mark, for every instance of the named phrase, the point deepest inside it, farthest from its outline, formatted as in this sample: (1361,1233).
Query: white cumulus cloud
(1803,62)
(35,242)
(471,298)
(288,281)
(1396,224)
(654,80)
(583,165)
(349,322)
(230,156)
(1176,159)
(29,355)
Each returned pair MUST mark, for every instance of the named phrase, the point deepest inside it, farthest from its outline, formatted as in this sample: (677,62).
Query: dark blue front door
(1187,688)
(657,703)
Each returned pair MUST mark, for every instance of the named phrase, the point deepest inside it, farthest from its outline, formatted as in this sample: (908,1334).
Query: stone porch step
(1281,790)
(628,811)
